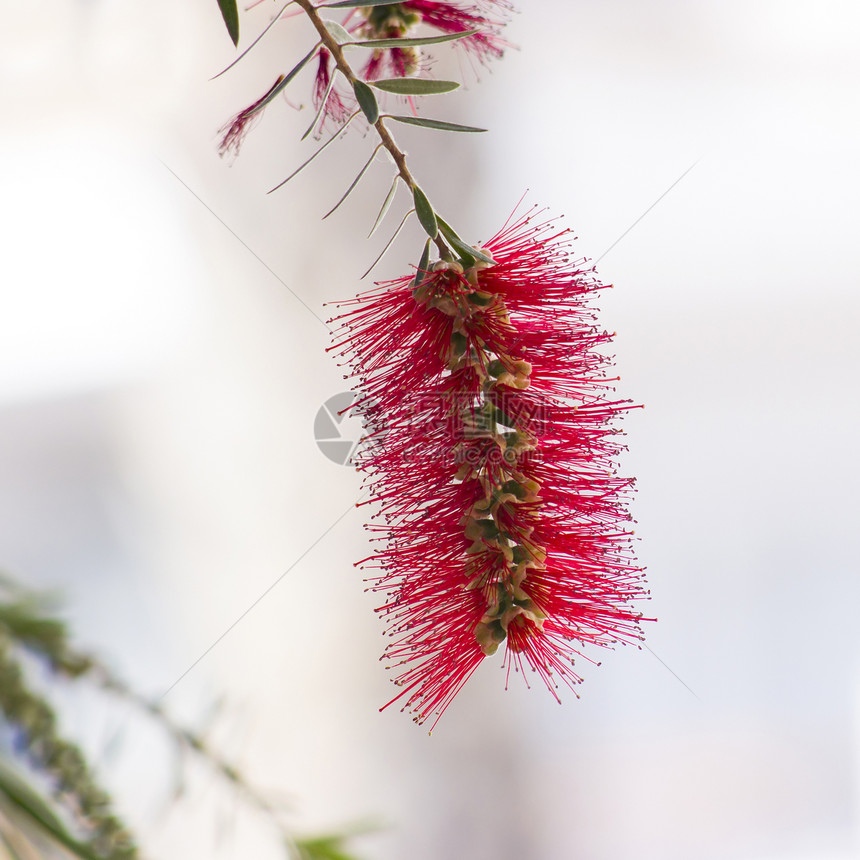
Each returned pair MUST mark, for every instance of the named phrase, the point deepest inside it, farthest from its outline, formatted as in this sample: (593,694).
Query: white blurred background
(158,388)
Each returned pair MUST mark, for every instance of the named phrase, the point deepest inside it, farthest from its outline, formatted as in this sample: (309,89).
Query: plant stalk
(388,141)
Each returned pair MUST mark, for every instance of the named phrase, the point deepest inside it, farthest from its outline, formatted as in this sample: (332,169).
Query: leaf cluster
(334,41)
(69,810)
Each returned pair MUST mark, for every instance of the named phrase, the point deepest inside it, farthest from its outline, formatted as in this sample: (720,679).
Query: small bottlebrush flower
(388,22)
(453,18)
(397,20)
(394,20)
(392,63)
(234,131)
(501,517)
(334,109)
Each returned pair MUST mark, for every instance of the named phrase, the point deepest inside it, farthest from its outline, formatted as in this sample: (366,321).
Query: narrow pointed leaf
(287,78)
(330,846)
(388,245)
(230,14)
(425,212)
(415,86)
(302,166)
(27,802)
(412,42)
(25,798)
(422,264)
(354,182)
(467,260)
(323,103)
(338,32)
(366,101)
(324,848)
(438,124)
(352,4)
(385,205)
(268,27)
(459,245)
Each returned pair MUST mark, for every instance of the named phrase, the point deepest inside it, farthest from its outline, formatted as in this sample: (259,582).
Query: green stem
(388,141)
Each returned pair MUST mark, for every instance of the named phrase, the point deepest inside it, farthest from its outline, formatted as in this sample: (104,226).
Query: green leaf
(352,4)
(424,262)
(366,101)
(289,76)
(268,27)
(35,809)
(459,245)
(322,849)
(329,846)
(387,245)
(415,86)
(408,42)
(26,799)
(425,212)
(302,166)
(438,124)
(26,621)
(230,14)
(385,205)
(338,32)
(323,103)
(354,182)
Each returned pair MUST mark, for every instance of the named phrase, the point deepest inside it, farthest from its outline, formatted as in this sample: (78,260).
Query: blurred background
(159,386)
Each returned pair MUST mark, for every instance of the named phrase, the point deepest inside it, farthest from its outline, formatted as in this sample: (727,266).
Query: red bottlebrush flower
(492,463)
(233,132)
(335,109)
(388,22)
(453,18)
(397,20)
(392,62)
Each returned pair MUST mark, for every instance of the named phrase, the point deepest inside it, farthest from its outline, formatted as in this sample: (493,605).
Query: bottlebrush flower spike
(397,20)
(491,459)
(334,109)
(234,131)
(453,18)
